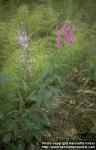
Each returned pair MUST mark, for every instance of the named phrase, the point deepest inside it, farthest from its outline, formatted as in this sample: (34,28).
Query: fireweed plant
(35,104)
(25,122)
(24,40)
(64,36)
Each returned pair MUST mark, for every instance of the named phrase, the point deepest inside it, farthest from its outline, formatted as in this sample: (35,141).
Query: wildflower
(23,39)
(65,35)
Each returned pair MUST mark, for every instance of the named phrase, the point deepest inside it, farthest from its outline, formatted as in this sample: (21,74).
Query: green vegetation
(46,93)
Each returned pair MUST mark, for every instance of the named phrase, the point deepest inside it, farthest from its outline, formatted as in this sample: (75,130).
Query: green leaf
(37,136)
(1,115)
(25,86)
(7,138)
(20,146)
(6,96)
(43,86)
(93,129)
(45,74)
(59,79)
(92,106)
(48,94)
(42,96)
(13,113)
(39,100)
(45,119)
(10,125)
(49,106)
(4,78)
(54,90)
(30,96)
(89,92)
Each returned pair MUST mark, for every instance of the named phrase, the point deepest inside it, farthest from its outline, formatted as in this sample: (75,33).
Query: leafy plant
(25,114)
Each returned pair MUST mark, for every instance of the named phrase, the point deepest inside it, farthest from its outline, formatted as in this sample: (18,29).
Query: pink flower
(65,35)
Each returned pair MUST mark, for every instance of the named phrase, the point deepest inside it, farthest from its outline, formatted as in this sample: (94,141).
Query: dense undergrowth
(46,85)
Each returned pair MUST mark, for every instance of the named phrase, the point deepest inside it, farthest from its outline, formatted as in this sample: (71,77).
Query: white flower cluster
(23,39)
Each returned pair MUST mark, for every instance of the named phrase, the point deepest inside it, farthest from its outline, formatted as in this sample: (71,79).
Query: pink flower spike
(65,35)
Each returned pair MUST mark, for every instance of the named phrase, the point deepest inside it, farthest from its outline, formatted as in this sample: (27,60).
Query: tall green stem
(57,59)
(27,65)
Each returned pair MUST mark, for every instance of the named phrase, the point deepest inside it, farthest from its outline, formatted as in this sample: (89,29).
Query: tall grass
(43,22)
